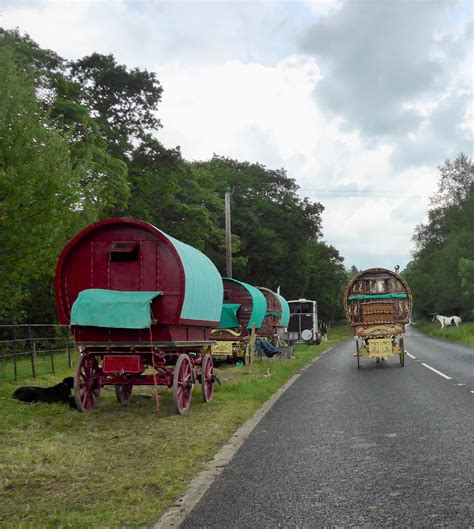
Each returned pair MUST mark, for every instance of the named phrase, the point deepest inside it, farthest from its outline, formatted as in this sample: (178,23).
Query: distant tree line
(441,274)
(78,144)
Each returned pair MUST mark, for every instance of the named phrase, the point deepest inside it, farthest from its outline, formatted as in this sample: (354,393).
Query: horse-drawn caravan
(250,315)
(378,304)
(141,305)
(243,313)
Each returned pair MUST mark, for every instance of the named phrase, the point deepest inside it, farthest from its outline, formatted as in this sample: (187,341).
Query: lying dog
(59,393)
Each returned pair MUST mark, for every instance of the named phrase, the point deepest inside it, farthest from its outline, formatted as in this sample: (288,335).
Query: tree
(124,101)
(444,243)
(39,192)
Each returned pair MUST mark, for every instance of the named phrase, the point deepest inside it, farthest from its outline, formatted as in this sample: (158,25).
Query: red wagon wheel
(207,377)
(87,383)
(123,392)
(182,384)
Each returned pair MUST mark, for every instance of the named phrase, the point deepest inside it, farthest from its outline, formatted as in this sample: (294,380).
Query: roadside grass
(122,466)
(464,333)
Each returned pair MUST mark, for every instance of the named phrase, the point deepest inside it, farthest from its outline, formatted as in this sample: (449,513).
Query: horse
(447,320)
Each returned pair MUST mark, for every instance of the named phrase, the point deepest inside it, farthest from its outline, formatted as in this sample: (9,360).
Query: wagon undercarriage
(178,368)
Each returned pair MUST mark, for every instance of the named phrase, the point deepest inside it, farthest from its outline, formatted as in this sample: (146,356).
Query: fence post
(68,348)
(14,355)
(33,352)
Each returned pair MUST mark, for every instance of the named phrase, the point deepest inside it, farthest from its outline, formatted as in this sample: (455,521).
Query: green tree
(444,242)
(124,101)
(39,192)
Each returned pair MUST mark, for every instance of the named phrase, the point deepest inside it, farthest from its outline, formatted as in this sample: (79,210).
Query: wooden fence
(32,349)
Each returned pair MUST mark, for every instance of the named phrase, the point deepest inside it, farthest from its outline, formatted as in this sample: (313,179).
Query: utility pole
(228,236)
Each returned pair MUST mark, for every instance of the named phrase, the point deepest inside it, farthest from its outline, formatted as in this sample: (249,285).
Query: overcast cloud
(351,97)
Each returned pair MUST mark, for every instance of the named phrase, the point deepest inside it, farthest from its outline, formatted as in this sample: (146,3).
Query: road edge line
(437,372)
(174,516)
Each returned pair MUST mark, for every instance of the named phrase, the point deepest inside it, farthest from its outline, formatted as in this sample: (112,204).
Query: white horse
(446,321)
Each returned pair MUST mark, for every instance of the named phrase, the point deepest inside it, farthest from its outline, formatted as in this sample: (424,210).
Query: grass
(122,466)
(464,333)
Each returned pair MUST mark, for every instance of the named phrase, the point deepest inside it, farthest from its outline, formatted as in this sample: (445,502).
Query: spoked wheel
(182,384)
(207,377)
(87,383)
(123,392)
(358,354)
(402,352)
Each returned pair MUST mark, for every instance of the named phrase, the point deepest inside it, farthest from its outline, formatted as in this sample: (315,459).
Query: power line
(355,193)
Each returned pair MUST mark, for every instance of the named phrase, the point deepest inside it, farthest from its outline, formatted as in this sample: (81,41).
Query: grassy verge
(122,466)
(464,333)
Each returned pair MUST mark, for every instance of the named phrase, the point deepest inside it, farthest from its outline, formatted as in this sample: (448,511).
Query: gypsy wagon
(378,304)
(141,306)
(277,314)
(243,312)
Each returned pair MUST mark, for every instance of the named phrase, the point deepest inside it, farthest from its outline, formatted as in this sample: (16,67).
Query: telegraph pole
(228,236)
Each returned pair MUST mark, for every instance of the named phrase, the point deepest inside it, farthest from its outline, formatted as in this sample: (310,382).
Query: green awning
(229,316)
(377,296)
(115,309)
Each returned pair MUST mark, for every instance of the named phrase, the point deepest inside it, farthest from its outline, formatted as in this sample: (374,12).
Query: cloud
(378,56)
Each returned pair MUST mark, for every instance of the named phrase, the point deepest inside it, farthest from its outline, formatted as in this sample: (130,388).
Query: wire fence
(31,350)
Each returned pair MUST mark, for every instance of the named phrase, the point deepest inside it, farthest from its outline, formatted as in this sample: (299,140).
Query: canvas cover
(229,316)
(114,309)
(203,284)
(285,311)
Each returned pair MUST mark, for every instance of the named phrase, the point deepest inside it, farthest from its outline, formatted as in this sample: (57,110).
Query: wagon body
(378,304)
(243,313)
(139,303)
(277,313)
(134,256)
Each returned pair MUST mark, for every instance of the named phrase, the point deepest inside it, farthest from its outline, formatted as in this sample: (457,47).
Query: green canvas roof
(116,309)
(229,316)
(285,311)
(377,296)
(259,304)
(203,288)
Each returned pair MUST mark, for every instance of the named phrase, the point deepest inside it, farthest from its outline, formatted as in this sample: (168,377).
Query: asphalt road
(383,446)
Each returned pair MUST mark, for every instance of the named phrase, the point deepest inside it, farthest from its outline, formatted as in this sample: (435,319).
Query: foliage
(440,272)
(38,188)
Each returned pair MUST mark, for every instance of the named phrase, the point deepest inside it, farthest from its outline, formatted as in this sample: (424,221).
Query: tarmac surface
(382,446)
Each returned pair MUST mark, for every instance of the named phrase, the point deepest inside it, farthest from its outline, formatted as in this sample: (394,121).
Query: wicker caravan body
(378,305)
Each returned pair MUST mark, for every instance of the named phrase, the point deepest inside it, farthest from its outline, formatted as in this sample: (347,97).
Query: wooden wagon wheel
(402,353)
(87,383)
(123,392)
(207,377)
(182,384)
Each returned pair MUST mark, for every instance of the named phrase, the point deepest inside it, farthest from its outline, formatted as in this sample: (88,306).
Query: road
(383,446)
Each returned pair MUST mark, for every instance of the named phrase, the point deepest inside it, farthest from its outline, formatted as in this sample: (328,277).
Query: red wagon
(277,315)
(141,306)
(243,312)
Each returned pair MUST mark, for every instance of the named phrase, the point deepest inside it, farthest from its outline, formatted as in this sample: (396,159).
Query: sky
(359,100)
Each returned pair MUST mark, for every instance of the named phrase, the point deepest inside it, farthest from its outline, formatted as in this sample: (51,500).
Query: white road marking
(472,391)
(437,372)
(411,356)
(461,384)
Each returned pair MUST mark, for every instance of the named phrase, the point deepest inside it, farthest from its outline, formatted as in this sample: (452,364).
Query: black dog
(58,393)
